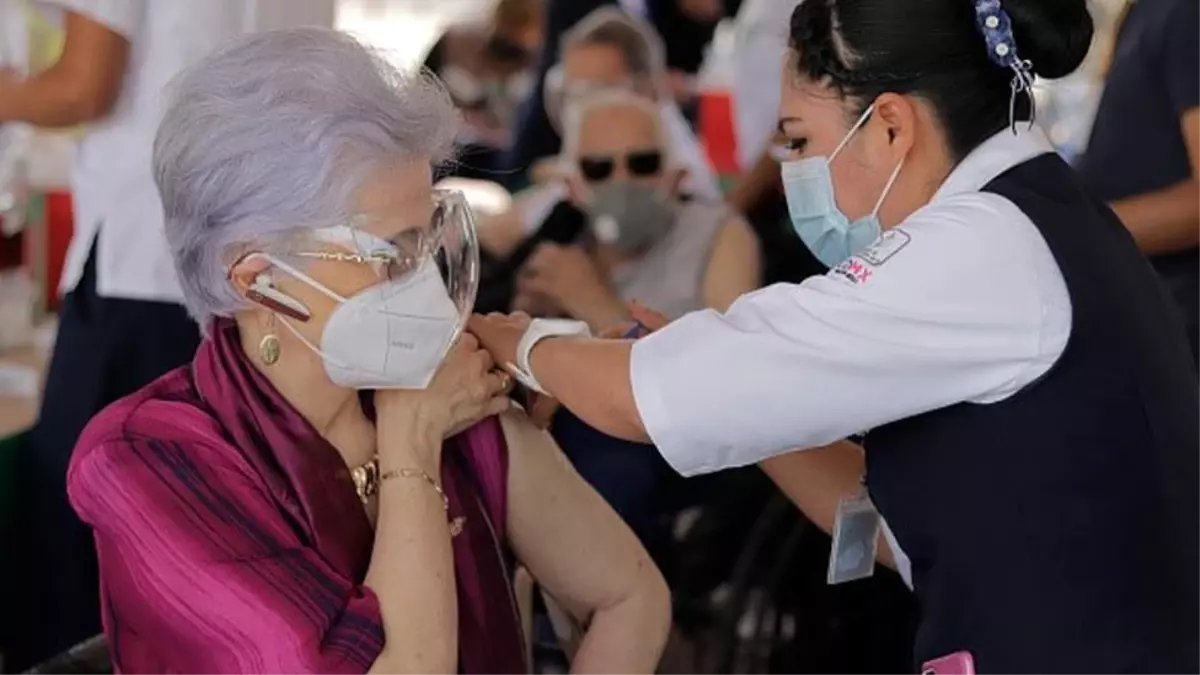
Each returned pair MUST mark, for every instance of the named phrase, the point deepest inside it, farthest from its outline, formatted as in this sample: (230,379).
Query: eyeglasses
(390,258)
(640,163)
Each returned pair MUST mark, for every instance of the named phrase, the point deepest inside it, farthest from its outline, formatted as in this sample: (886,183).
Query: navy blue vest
(1057,531)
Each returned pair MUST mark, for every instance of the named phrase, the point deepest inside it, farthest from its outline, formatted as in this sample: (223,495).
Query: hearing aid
(263,292)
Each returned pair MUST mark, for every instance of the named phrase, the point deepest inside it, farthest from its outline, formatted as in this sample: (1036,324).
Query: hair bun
(1053,35)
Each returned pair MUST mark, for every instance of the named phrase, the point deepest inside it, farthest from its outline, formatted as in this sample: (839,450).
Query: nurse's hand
(499,334)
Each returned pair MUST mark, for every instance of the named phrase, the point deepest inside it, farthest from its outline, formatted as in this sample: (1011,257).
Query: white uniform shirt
(14,35)
(14,54)
(116,202)
(963,301)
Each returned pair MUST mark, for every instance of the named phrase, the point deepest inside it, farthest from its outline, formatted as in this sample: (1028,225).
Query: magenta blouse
(231,540)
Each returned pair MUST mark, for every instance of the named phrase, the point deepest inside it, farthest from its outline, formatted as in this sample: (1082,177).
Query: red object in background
(10,250)
(60,225)
(717,130)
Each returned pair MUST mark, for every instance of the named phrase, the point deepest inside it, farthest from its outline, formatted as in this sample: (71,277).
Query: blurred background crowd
(612,152)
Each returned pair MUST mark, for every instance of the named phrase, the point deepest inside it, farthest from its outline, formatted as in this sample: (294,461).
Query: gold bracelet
(416,473)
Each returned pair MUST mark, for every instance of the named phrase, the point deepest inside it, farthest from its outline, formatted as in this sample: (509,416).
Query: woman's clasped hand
(466,389)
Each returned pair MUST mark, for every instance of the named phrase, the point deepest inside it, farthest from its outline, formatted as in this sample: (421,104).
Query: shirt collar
(992,158)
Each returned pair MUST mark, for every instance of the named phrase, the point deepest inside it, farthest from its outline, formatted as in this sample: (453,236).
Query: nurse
(987,326)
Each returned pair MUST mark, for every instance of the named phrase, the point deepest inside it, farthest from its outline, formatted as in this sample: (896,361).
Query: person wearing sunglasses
(643,241)
(338,481)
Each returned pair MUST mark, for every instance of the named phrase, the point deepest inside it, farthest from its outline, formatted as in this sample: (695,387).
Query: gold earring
(268,347)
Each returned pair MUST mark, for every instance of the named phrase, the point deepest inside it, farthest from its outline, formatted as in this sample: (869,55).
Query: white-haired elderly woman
(337,482)
(645,241)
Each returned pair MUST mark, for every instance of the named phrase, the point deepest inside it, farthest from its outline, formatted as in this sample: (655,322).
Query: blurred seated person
(337,480)
(644,240)
(489,70)
(608,49)
(611,48)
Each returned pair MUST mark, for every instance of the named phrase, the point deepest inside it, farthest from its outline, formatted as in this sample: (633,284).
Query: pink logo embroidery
(854,271)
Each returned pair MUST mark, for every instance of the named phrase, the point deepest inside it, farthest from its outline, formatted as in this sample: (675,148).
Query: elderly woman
(328,487)
(645,241)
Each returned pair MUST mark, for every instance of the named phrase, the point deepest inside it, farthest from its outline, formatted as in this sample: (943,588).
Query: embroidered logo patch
(853,270)
(885,247)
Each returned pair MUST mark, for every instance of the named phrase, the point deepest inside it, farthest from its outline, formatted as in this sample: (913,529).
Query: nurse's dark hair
(933,49)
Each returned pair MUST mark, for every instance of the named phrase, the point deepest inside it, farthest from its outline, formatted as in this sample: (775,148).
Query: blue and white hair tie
(995,25)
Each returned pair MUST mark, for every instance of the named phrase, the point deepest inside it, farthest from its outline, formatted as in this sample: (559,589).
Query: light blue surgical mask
(825,230)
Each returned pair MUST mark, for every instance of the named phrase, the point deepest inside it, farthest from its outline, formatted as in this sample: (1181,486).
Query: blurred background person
(121,323)
(489,69)
(1144,152)
(605,47)
(613,49)
(377,502)
(608,50)
(645,240)
(639,239)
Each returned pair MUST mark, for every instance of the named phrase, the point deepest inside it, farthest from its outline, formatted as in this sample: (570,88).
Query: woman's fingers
(499,383)
(467,343)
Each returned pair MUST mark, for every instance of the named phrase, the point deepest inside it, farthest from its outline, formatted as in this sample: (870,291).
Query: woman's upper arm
(197,559)
(734,268)
(563,531)
(951,311)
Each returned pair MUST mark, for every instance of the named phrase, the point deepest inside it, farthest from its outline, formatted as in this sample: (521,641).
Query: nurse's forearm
(591,379)
(817,480)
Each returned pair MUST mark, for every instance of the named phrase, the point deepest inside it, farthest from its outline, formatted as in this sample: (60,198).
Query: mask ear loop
(315,285)
(853,130)
(887,189)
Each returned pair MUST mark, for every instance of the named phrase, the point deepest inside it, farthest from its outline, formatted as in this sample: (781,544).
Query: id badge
(855,539)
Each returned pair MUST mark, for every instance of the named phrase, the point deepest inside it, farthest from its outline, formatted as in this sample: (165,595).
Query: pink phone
(958,663)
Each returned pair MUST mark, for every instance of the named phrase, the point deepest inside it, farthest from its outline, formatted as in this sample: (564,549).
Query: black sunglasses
(508,51)
(640,163)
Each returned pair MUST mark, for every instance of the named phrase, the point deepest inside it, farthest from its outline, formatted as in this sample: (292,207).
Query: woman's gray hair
(275,134)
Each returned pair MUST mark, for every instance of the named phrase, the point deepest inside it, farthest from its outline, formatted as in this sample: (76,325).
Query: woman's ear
(899,119)
(251,277)
(247,269)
